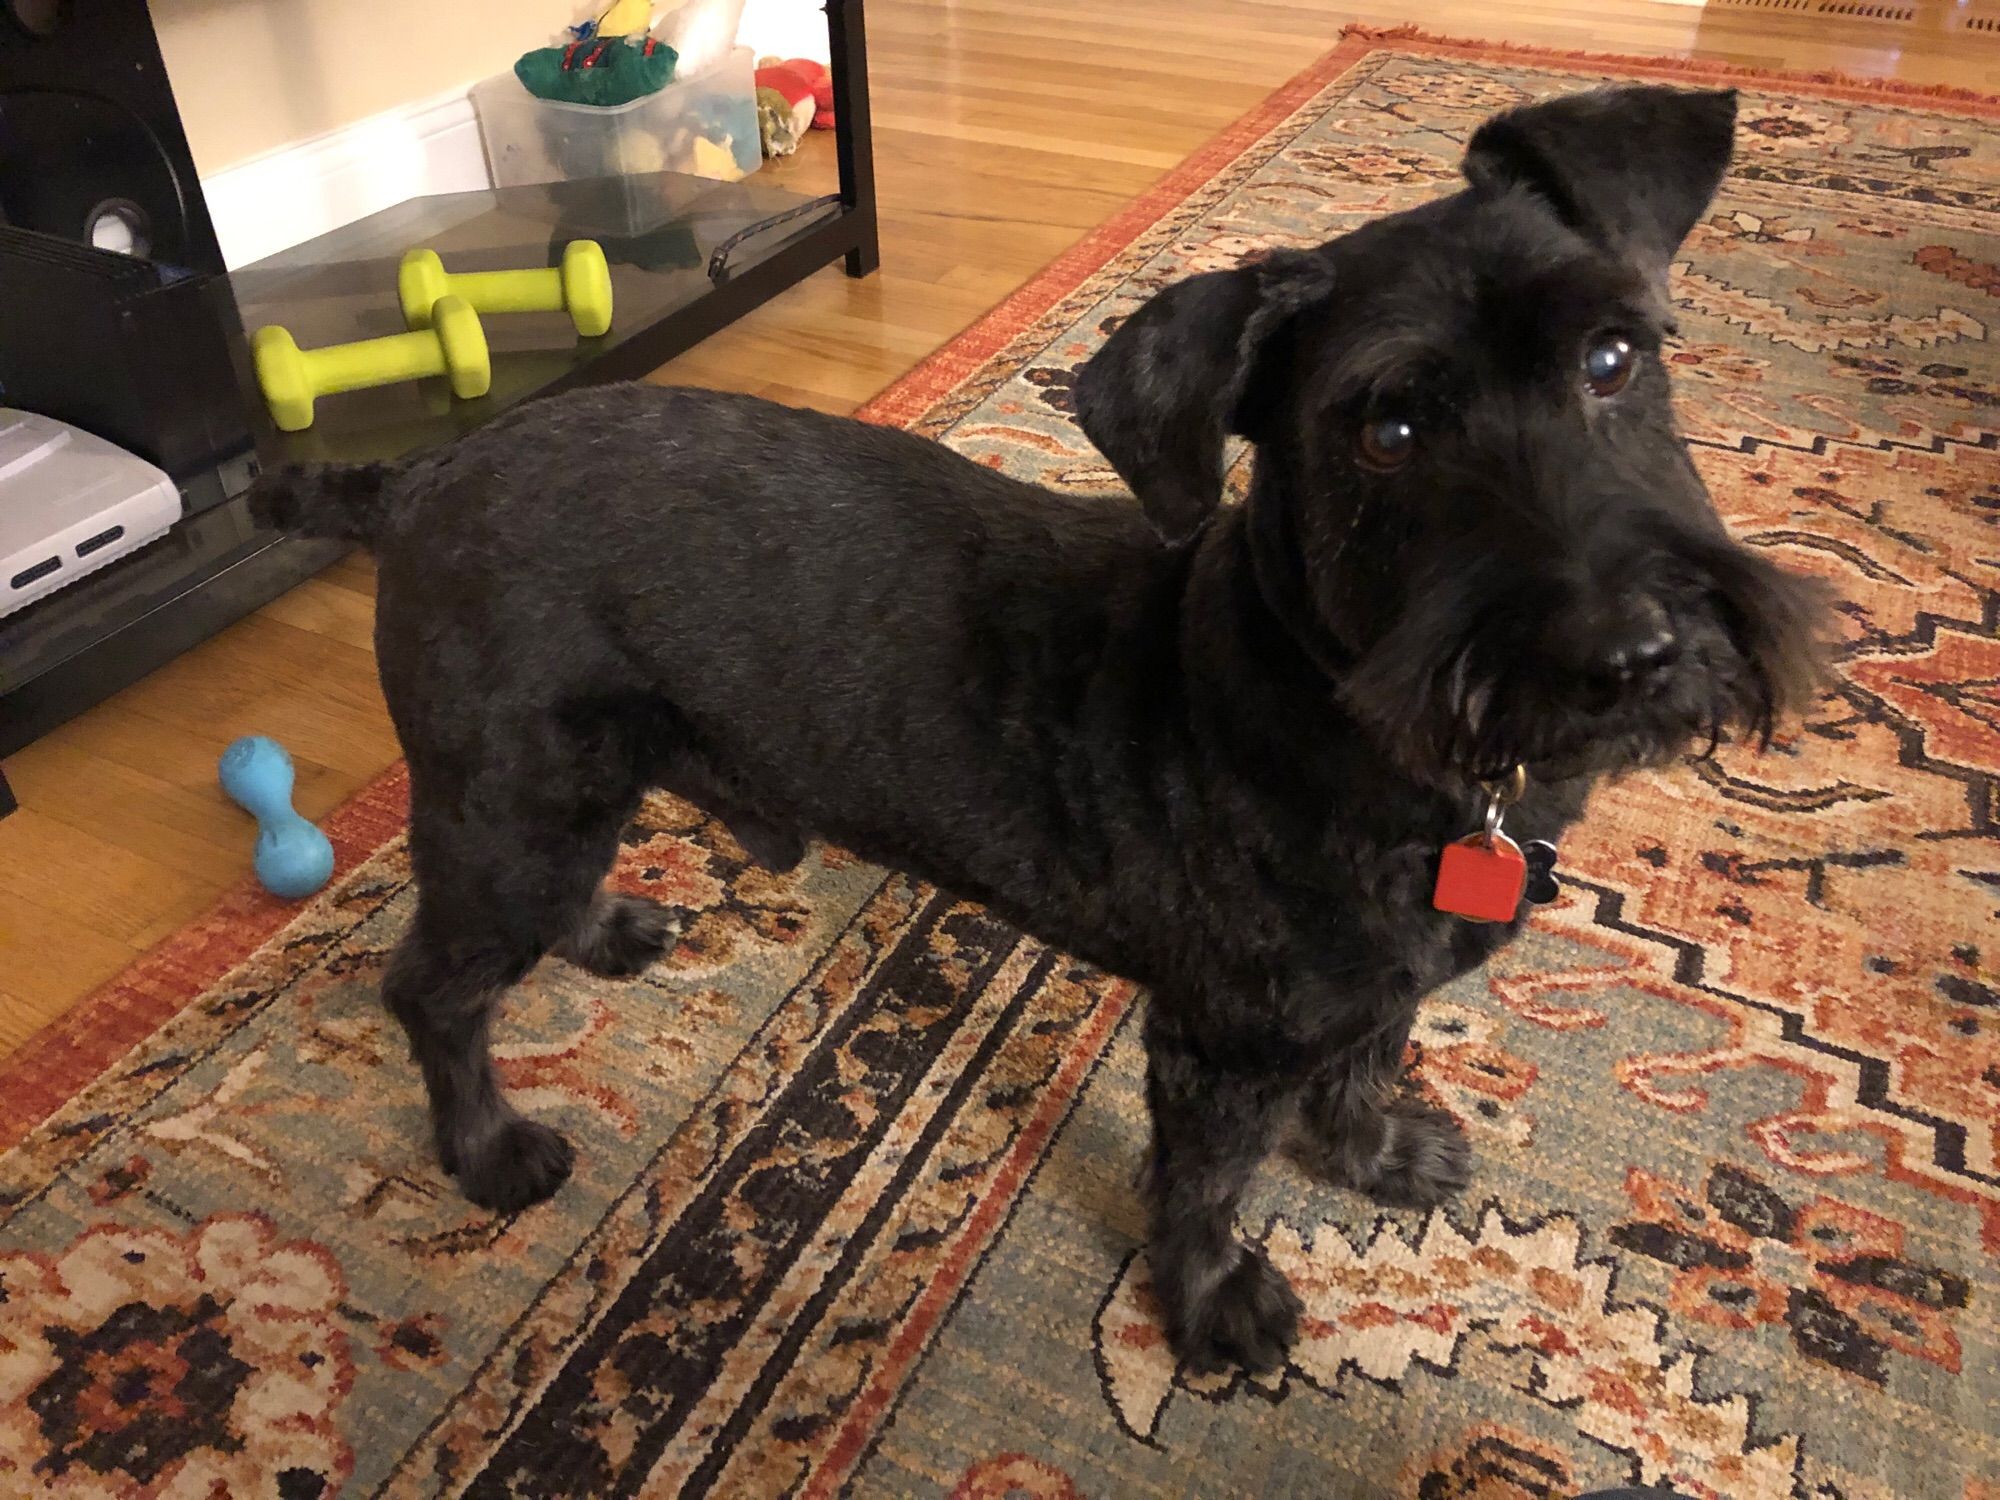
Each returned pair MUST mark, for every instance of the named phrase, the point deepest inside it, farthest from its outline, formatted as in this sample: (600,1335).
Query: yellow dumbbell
(292,377)
(580,286)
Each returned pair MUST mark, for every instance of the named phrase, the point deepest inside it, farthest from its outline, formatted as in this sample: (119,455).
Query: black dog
(1224,764)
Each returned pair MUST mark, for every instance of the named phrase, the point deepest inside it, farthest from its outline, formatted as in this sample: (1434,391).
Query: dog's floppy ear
(1629,168)
(1178,377)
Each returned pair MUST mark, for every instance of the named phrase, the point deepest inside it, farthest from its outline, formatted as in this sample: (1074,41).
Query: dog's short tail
(345,502)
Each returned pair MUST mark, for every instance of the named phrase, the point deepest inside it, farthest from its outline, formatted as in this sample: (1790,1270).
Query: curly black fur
(1223,764)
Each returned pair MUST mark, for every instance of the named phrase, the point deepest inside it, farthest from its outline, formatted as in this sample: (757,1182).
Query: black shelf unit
(712,253)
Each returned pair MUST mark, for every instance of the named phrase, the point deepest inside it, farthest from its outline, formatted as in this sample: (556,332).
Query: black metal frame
(251,568)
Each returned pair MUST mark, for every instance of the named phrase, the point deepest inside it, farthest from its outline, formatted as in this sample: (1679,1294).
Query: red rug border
(1824,83)
(57,1062)
(45,1072)
(912,395)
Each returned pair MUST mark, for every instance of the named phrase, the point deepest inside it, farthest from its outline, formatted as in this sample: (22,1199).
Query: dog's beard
(1454,698)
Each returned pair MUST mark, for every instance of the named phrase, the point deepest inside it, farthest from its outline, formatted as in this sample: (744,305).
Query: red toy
(822,94)
(797,77)
(785,104)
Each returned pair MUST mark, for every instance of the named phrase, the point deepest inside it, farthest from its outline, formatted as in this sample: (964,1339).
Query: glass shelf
(659,233)
(687,256)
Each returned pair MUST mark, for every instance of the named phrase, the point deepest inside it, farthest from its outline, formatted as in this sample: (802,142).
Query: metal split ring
(1501,795)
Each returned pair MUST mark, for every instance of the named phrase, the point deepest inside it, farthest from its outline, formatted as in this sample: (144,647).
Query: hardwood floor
(1005,129)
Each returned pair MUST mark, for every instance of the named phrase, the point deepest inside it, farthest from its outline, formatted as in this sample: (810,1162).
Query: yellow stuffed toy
(626,18)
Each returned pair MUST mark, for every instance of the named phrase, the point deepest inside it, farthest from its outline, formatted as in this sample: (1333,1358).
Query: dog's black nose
(1639,650)
(1610,643)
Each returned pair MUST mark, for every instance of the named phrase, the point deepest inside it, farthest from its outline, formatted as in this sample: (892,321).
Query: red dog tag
(1481,878)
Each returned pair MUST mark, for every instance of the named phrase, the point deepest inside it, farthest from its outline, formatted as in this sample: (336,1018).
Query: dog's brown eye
(1387,443)
(1607,368)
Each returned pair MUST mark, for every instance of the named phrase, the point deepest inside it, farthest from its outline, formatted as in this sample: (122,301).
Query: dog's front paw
(1249,1318)
(1423,1160)
(1407,1156)
(620,936)
(519,1163)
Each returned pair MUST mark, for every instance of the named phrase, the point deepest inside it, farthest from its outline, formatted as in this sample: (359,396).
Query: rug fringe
(1682,64)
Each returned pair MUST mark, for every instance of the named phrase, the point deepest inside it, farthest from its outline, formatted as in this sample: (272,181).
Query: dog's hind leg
(1224,1301)
(768,842)
(775,848)
(508,860)
(444,987)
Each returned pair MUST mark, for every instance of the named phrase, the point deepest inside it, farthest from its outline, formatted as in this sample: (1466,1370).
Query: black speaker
(132,350)
(91,145)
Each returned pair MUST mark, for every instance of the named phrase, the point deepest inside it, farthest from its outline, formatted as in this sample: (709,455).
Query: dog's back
(646,555)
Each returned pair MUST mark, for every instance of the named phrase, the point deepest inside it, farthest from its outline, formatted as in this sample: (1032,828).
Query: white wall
(253,76)
(299,122)
(784,28)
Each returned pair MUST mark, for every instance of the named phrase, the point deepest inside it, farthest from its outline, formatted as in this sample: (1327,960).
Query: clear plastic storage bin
(705,126)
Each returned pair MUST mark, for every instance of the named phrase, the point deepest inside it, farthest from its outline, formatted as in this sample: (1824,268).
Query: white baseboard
(282,198)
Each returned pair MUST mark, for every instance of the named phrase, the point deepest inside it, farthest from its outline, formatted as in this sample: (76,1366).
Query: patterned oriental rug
(854,1209)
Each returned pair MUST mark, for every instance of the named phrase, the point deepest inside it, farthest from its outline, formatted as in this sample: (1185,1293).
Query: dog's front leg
(1355,1130)
(1224,1303)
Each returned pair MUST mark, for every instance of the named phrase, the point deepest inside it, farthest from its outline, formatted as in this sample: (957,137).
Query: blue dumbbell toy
(293,858)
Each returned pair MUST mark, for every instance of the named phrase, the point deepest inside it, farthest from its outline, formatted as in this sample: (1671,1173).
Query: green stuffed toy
(598,70)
